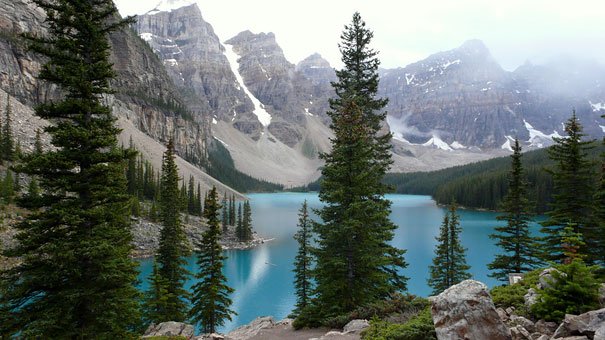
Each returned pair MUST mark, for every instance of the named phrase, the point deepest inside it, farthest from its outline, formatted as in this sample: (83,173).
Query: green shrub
(575,293)
(512,295)
(313,316)
(419,327)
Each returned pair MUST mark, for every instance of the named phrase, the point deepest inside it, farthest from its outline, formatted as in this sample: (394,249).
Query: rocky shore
(146,236)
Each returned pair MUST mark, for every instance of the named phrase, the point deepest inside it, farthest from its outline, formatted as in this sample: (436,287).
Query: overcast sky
(406,31)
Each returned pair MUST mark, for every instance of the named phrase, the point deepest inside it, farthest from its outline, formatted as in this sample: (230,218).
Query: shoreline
(225,245)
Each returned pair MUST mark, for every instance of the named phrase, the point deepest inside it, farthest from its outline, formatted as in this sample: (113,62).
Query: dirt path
(286,332)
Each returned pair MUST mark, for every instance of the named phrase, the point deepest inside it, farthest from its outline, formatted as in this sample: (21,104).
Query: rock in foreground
(169,328)
(466,311)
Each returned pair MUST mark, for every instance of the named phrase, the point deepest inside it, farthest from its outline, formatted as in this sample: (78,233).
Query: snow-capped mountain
(462,98)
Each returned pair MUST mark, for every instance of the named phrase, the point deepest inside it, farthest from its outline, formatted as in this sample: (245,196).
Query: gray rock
(546,279)
(538,336)
(466,311)
(531,297)
(212,336)
(169,328)
(356,326)
(523,322)
(578,337)
(545,327)
(520,333)
(252,329)
(584,324)
(502,314)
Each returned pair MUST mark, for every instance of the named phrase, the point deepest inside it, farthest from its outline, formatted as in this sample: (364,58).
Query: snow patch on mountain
(508,144)
(170,5)
(438,143)
(597,106)
(146,36)
(538,138)
(457,146)
(263,116)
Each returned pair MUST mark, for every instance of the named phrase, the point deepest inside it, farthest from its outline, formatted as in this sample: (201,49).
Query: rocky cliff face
(285,93)
(462,98)
(195,60)
(149,106)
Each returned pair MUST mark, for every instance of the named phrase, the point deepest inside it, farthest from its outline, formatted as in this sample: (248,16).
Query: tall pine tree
(303,261)
(449,264)
(7,143)
(155,302)
(210,300)
(355,264)
(225,214)
(599,212)
(173,242)
(574,183)
(518,246)
(75,278)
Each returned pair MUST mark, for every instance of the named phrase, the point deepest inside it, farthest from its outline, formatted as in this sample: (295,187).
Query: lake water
(262,277)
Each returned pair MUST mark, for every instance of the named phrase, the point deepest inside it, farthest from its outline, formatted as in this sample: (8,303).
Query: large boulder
(252,329)
(466,311)
(531,297)
(356,326)
(586,324)
(169,328)
(546,279)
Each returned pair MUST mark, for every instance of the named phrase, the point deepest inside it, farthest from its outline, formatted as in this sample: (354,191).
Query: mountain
(268,115)
(148,105)
(462,99)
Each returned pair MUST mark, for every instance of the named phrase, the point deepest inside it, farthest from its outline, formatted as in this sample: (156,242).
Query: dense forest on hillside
(477,185)
(482,184)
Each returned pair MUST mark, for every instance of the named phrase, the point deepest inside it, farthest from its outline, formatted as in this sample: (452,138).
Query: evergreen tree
(75,278)
(246,223)
(573,181)
(191,200)
(355,264)
(519,254)
(303,261)
(156,299)
(449,264)
(38,143)
(8,188)
(239,228)
(599,212)
(232,216)
(225,216)
(131,170)
(198,201)
(210,300)
(7,143)
(173,242)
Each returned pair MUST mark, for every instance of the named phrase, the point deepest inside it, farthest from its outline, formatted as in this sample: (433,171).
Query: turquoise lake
(262,277)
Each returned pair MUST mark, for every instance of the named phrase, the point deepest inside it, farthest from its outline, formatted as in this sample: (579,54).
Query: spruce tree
(518,246)
(191,199)
(156,299)
(246,222)
(7,143)
(303,261)
(449,264)
(210,299)
(599,211)
(38,143)
(574,183)
(75,278)
(173,243)
(232,211)
(225,215)
(355,264)
(239,228)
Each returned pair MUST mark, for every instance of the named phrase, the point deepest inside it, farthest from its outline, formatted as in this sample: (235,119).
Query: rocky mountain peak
(171,5)
(317,69)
